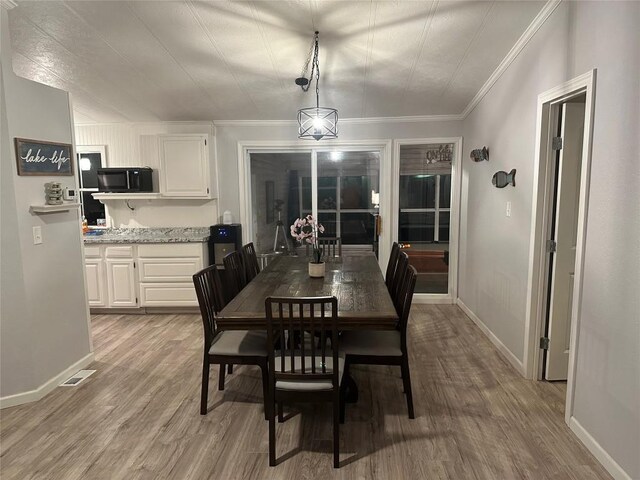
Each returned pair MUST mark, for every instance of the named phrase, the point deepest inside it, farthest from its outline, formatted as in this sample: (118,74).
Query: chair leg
(406,381)
(336,430)
(230,369)
(343,393)
(265,390)
(205,386)
(280,412)
(272,431)
(221,377)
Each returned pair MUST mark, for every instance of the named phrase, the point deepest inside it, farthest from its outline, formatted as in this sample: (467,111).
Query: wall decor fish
(501,179)
(480,154)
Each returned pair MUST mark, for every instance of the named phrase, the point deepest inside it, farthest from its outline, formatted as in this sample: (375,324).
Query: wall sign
(36,157)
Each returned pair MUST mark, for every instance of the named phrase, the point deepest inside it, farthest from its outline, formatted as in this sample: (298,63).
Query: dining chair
(250,260)
(392,264)
(301,371)
(331,246)
(234,273)
(239,347)
(384,347)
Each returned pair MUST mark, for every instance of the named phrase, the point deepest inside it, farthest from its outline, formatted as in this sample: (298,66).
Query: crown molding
(208,123)
(359,121)
(8,4)
(528,34)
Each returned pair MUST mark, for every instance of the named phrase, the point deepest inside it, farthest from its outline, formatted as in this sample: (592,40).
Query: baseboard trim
(502,348)
(47,387)
(597,451)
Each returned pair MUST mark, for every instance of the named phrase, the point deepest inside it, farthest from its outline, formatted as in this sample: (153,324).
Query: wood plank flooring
(137,417)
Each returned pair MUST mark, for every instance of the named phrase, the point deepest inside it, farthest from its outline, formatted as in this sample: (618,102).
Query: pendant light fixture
(315,122)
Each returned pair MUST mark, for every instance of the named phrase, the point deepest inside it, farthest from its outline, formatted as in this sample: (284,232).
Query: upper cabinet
(187,166)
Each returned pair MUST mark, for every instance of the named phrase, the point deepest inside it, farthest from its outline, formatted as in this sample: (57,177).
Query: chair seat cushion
(250,343)
(307,385)
(371,342)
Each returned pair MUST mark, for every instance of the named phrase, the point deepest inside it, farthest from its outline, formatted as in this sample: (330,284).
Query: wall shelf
(65,207)
(127,196)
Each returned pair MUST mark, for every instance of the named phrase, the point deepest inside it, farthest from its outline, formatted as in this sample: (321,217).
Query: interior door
(565,225)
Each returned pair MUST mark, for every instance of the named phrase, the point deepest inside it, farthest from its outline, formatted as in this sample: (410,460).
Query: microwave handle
(128,180)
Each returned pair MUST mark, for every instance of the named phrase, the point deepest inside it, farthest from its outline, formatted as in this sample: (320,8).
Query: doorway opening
(561,179)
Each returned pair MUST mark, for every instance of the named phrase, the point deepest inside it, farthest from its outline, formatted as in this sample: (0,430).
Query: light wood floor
(137,416)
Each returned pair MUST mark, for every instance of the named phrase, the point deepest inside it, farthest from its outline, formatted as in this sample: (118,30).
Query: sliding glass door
(425,212)
(340,187)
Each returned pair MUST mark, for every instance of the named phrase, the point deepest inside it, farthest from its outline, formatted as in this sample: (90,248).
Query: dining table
(356,281)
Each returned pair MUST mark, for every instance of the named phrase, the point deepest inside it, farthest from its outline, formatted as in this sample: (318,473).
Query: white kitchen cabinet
(96,288)
(187,166)
(166,273)
(121,283)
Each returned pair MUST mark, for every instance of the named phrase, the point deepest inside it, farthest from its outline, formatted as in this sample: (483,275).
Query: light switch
(37,235)
(508,212)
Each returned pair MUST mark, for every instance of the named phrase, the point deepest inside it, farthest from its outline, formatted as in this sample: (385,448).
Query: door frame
(384,145)
(538,259)
(454,219)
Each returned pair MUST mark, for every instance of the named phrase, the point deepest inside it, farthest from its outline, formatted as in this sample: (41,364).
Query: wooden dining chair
(384,347)
(250,260)
(302,371)
(239,347)
(331,246)
(392,264)
(234,273)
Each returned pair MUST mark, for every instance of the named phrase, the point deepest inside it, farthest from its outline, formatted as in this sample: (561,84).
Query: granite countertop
(149,235)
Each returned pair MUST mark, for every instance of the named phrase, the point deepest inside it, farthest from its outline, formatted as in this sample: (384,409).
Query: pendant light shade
(316,122)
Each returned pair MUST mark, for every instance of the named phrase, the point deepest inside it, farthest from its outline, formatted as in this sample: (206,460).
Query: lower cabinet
(143,275)
(166,273)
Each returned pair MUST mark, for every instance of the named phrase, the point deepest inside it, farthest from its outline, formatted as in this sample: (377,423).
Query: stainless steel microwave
(125,179)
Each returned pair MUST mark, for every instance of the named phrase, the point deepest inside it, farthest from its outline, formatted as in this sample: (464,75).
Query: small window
(90,159)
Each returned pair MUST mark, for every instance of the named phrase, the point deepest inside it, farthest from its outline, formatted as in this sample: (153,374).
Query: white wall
(228,136)
(123,147)
(44,323)
(494,249)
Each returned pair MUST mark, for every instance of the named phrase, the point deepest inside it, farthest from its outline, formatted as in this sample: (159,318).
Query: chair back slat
(306,316)
(398,277)
(391,266)
(406,297)
(208,285)
(235,275)
(250,260)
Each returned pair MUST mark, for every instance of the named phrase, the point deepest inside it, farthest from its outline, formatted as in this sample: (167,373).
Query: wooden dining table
(356,281)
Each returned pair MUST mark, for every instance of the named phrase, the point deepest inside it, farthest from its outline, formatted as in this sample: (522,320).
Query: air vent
(77,378)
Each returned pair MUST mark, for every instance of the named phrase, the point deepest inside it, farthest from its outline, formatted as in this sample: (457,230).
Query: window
(90,158)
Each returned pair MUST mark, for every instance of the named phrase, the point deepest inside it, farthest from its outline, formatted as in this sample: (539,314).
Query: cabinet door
(184,161)
(121,283)
(96,291)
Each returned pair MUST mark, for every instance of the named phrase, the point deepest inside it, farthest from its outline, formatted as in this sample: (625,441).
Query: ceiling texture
(144,61)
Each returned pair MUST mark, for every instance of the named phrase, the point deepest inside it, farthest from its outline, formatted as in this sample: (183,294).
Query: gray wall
(494,249)
(44,322)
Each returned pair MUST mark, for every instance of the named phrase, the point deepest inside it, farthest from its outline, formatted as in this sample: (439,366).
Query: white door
(565,226)
(184,165)
(96,291)
(121,283)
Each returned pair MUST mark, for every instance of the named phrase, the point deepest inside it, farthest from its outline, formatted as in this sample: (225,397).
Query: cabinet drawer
(168,295)
(91,251)
(119,251)
(170,250)
(169,269)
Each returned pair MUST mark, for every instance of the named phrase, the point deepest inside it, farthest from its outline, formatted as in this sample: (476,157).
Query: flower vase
(316,270)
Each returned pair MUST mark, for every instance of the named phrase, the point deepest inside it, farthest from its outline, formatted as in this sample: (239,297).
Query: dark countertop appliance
(224,239)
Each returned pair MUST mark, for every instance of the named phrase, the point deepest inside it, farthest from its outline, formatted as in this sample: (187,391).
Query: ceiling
(221,60)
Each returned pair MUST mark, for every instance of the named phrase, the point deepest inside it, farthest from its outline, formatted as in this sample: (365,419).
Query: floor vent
(77,378)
